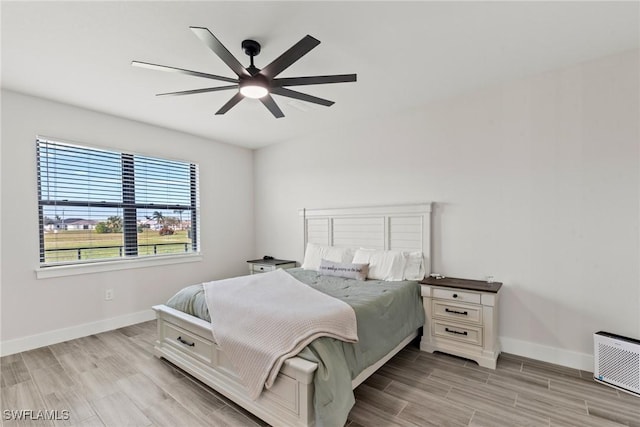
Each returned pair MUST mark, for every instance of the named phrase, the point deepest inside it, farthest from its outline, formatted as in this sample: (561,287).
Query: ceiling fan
(253,82)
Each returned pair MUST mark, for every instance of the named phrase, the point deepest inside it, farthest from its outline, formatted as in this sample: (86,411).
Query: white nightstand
(461,318)
(264,265)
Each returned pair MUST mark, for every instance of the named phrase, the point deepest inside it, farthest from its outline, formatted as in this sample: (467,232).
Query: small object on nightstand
(268,263)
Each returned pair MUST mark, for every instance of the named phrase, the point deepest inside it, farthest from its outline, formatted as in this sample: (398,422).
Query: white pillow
(414,268)
(383,265)
(315,253)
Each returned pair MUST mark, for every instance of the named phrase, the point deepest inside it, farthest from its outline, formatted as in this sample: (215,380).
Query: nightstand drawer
(467,334)
(262,268)
(457,312)
(269,264)
(455,295)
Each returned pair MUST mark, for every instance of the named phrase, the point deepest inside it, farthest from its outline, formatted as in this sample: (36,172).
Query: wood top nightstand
(461,318)
(264,265)
(472,285)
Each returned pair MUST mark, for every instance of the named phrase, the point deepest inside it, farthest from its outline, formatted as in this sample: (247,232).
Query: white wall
(536,182)
(59,307)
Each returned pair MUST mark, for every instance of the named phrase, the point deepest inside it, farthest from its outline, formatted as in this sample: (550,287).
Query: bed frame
(187,341)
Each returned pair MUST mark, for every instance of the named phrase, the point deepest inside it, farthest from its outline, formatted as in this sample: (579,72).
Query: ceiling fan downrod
(251,48)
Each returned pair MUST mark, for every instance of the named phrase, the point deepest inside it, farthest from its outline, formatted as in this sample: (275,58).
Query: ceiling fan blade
(230,103)
(301,96)
(314,80)
(218,48)
(294,53)
(182,71)
(194,91)
(271,105)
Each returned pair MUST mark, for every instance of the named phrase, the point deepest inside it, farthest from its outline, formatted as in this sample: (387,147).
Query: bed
(187,340)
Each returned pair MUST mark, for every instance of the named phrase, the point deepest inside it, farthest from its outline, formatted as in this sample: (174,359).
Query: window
(99,205)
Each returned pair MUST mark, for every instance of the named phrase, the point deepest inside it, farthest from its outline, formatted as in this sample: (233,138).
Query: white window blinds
(98,204)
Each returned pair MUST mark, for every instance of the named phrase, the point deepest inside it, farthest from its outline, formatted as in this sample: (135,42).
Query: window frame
(130,257)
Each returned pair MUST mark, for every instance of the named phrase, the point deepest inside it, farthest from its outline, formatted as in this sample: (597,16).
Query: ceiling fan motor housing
(255,80)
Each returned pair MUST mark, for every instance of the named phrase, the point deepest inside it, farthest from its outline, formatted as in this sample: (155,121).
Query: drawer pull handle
(185,342)
(464,313)
(453,331)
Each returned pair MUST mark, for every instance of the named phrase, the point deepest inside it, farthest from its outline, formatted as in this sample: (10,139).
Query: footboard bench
(187,341)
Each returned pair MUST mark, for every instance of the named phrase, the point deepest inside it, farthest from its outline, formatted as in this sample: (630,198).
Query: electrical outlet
(108,294)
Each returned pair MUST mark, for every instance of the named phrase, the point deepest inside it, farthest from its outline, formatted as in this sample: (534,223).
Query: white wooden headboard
(395,227)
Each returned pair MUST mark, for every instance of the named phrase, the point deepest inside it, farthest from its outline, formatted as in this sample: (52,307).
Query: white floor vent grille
(617,361)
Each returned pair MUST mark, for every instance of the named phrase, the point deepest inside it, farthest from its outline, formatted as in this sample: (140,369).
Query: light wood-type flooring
(112,379)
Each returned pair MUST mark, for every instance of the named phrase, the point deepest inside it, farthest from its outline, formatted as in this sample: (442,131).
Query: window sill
(99,267)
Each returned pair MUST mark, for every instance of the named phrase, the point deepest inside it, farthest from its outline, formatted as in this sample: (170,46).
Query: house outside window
(100,205)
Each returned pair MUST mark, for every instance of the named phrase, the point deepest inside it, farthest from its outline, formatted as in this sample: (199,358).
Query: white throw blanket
(261,320)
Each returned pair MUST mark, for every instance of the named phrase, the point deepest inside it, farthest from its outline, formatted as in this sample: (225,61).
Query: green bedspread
(386,312)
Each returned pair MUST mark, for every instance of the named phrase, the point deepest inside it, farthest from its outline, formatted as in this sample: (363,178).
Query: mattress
(386,313)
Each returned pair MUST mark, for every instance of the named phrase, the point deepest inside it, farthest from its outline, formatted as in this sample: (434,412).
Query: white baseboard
(568,358)
(59,335)
(571,359)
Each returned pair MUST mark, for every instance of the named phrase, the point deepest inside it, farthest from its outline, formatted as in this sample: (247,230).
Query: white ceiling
(406,55)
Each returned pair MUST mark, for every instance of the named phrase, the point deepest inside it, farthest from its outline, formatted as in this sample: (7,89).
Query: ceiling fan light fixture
(252,81)
(253,90)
